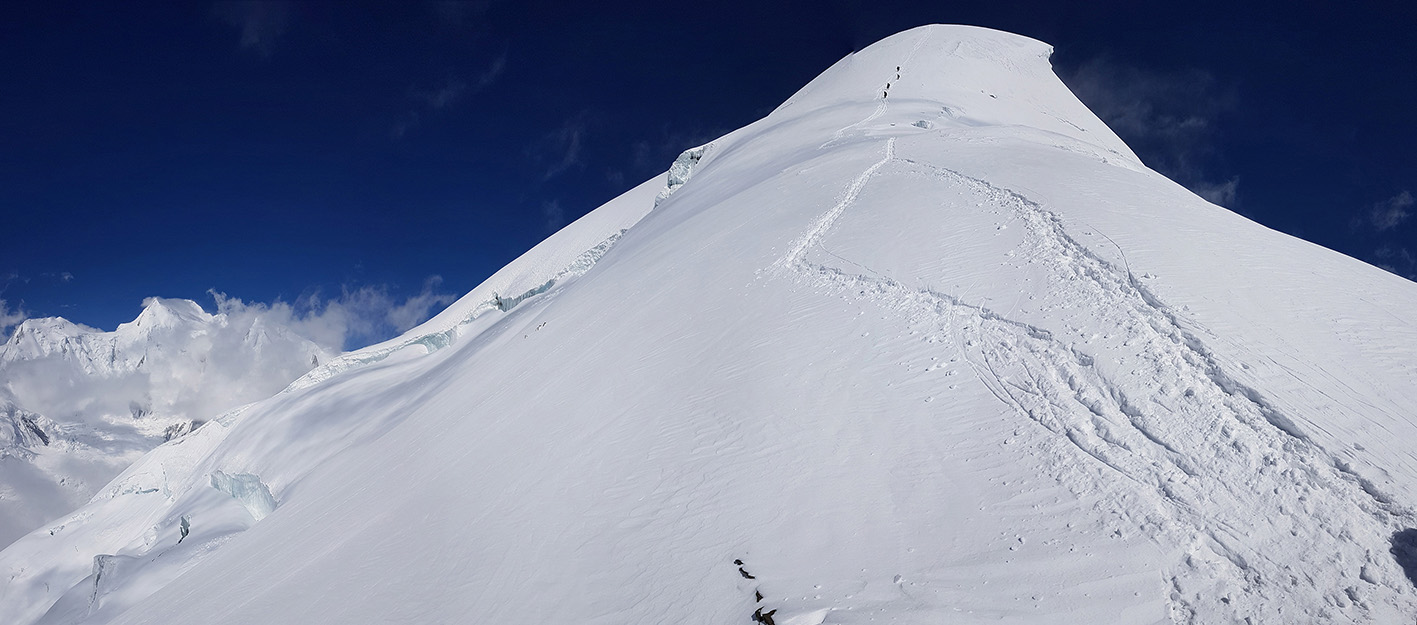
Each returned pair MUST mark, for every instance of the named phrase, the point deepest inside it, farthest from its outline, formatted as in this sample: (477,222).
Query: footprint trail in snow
(1208,456)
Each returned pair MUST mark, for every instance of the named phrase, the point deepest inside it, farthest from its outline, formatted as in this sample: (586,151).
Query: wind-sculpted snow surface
(925,345)
(1219,472)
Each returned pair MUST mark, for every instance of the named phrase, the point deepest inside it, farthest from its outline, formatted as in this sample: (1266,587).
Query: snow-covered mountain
(926,344)
(78,405)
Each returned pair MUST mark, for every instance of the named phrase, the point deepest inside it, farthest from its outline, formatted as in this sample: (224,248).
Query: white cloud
(119,394)
(419,308)
(560,150)
(357,317)
(9,319)
(1397,260)
(1387,214)
(1139,102)
(493,71)
(1170,118)
(187,371)
(1220,194)
(553,213)
(445,96)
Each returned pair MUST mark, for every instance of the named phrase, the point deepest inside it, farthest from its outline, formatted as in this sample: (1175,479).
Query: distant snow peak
(166,312)
(10,318)
(78,404)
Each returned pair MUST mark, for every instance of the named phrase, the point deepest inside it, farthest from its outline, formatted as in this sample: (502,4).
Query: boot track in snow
(1206,454)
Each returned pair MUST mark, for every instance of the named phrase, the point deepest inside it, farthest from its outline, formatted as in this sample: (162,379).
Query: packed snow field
(926,344)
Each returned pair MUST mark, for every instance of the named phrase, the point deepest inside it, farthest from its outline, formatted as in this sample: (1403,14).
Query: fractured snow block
(682,169)
(248,490)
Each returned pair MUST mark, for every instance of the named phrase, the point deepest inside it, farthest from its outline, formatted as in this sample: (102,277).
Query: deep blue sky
(276,150)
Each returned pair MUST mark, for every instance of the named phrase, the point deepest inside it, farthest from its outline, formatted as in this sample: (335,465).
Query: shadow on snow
(1404,550)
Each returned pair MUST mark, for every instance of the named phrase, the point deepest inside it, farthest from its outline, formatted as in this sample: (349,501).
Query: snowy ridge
(433,341)
(107,353)
(531,274)
(927,344)
(547,259)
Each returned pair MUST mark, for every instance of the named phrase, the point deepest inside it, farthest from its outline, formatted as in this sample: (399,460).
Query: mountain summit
(926,344)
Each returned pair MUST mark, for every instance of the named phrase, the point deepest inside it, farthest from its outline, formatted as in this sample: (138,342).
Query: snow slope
(926,344)
(78,405)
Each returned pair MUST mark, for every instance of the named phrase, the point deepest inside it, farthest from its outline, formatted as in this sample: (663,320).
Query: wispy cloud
(554,215)
(1221,194)
(261,22)
(1398,260)
(560,150)
(653,155)
(1170,118)
(419,308)
(9,278)
(431,100)
(493,72)
(352,319)
(404,124)
(9,319)
(1387,214)
(57,276)
(445,96)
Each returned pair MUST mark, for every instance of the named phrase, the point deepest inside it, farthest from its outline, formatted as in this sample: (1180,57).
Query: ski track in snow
(1208,455)
(824,223)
